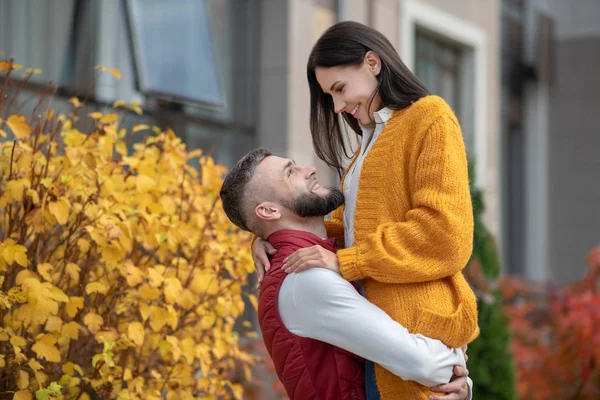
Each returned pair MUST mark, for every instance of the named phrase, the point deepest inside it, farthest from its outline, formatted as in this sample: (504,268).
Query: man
(309,317)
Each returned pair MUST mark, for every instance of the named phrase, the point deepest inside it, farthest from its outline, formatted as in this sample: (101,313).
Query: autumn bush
(556,335)
(120,275)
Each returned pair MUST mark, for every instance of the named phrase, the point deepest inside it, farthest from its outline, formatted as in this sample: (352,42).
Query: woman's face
(351,87)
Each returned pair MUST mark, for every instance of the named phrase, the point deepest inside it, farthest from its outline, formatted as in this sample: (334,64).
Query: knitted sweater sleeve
(335,227)
(435,239)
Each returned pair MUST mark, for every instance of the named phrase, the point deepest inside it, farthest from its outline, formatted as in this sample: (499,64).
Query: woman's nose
(338,106)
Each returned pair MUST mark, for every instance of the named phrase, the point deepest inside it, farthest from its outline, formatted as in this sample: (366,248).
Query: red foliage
(556,335)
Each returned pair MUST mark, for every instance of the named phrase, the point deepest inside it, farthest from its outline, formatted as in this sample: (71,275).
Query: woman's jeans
(370,382)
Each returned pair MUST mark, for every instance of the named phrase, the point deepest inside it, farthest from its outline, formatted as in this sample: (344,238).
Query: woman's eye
(290,172)
(340,89)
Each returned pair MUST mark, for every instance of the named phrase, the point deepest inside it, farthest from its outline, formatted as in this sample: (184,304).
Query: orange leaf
(5,65)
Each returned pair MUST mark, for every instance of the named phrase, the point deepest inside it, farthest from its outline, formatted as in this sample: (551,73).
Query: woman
(406,229)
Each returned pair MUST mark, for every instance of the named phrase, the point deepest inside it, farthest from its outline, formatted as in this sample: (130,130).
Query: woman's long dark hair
(346,44)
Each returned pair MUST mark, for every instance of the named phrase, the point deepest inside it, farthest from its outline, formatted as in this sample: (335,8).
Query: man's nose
(308,170)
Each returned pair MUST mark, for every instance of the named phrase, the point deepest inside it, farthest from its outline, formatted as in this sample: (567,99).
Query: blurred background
(523,77)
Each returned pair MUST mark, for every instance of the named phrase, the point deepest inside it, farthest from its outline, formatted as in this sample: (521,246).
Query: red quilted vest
(309,369)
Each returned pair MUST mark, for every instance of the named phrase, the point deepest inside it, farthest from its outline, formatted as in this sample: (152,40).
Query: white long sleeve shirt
(320,304)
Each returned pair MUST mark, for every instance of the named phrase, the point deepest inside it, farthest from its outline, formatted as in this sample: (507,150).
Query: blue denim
(370,382)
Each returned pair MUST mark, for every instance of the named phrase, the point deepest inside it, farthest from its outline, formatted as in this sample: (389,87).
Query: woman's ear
(373,62)
(267,211)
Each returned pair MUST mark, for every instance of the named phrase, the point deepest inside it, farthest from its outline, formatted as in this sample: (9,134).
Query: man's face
(297,188)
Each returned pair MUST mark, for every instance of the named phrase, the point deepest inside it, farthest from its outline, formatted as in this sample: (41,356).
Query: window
(437,64)
(57,37)
(173,50)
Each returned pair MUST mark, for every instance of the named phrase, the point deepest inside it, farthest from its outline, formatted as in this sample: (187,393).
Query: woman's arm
(436,238)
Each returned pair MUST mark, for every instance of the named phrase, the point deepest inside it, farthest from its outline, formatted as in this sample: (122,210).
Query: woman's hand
(457,389)
(311,257)
(261,249)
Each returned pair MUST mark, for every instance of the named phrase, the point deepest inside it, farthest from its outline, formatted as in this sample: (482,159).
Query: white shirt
(320,304)
(352,178)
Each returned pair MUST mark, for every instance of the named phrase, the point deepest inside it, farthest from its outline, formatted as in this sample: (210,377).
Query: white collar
(381,117)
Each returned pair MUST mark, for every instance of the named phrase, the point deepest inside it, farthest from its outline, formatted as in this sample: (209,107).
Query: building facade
(230,75)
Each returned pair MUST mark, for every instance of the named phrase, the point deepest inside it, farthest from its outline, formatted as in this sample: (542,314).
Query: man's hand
(457,389)
(311,257)
(261,249)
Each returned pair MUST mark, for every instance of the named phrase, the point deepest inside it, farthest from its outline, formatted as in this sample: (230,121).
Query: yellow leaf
(18,341)
(121,148)
(188,348)
(220,348)
(73,271)
(98,66)
(155,277)
(202,282)
(5,65)
(93,321)
(109,118)
(2,133)
(145,311)
(36,366)
(149,293)
(140,127)
(69,368)
(35,198)
(53,324)
(71,330)
(57,294)
(83,245)
(172,317)
(144,183)
(135,332)
(75,101)
(133,275)
(22,395)
(253,300)
(16,188)
(45,270)
(115,72)
(95,115)
(95,287)
(45,347)
(19,126)
(118,103)
(2,362)
(60,209)
(22,276)
(74,304)
(127,375)
(173,290)
(158,318)
(22,379)
(137,110)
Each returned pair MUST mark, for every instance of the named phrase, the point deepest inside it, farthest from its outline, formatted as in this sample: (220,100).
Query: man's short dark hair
(234,187)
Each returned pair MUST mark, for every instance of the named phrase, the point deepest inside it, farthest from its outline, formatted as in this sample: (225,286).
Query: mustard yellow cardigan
(413,231)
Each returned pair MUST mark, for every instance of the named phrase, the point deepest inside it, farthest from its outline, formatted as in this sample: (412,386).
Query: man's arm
(320,304)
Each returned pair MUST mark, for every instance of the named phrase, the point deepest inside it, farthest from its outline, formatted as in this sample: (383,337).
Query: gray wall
(574,155)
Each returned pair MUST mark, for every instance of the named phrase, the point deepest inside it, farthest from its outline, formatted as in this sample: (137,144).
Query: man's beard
(314,205)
